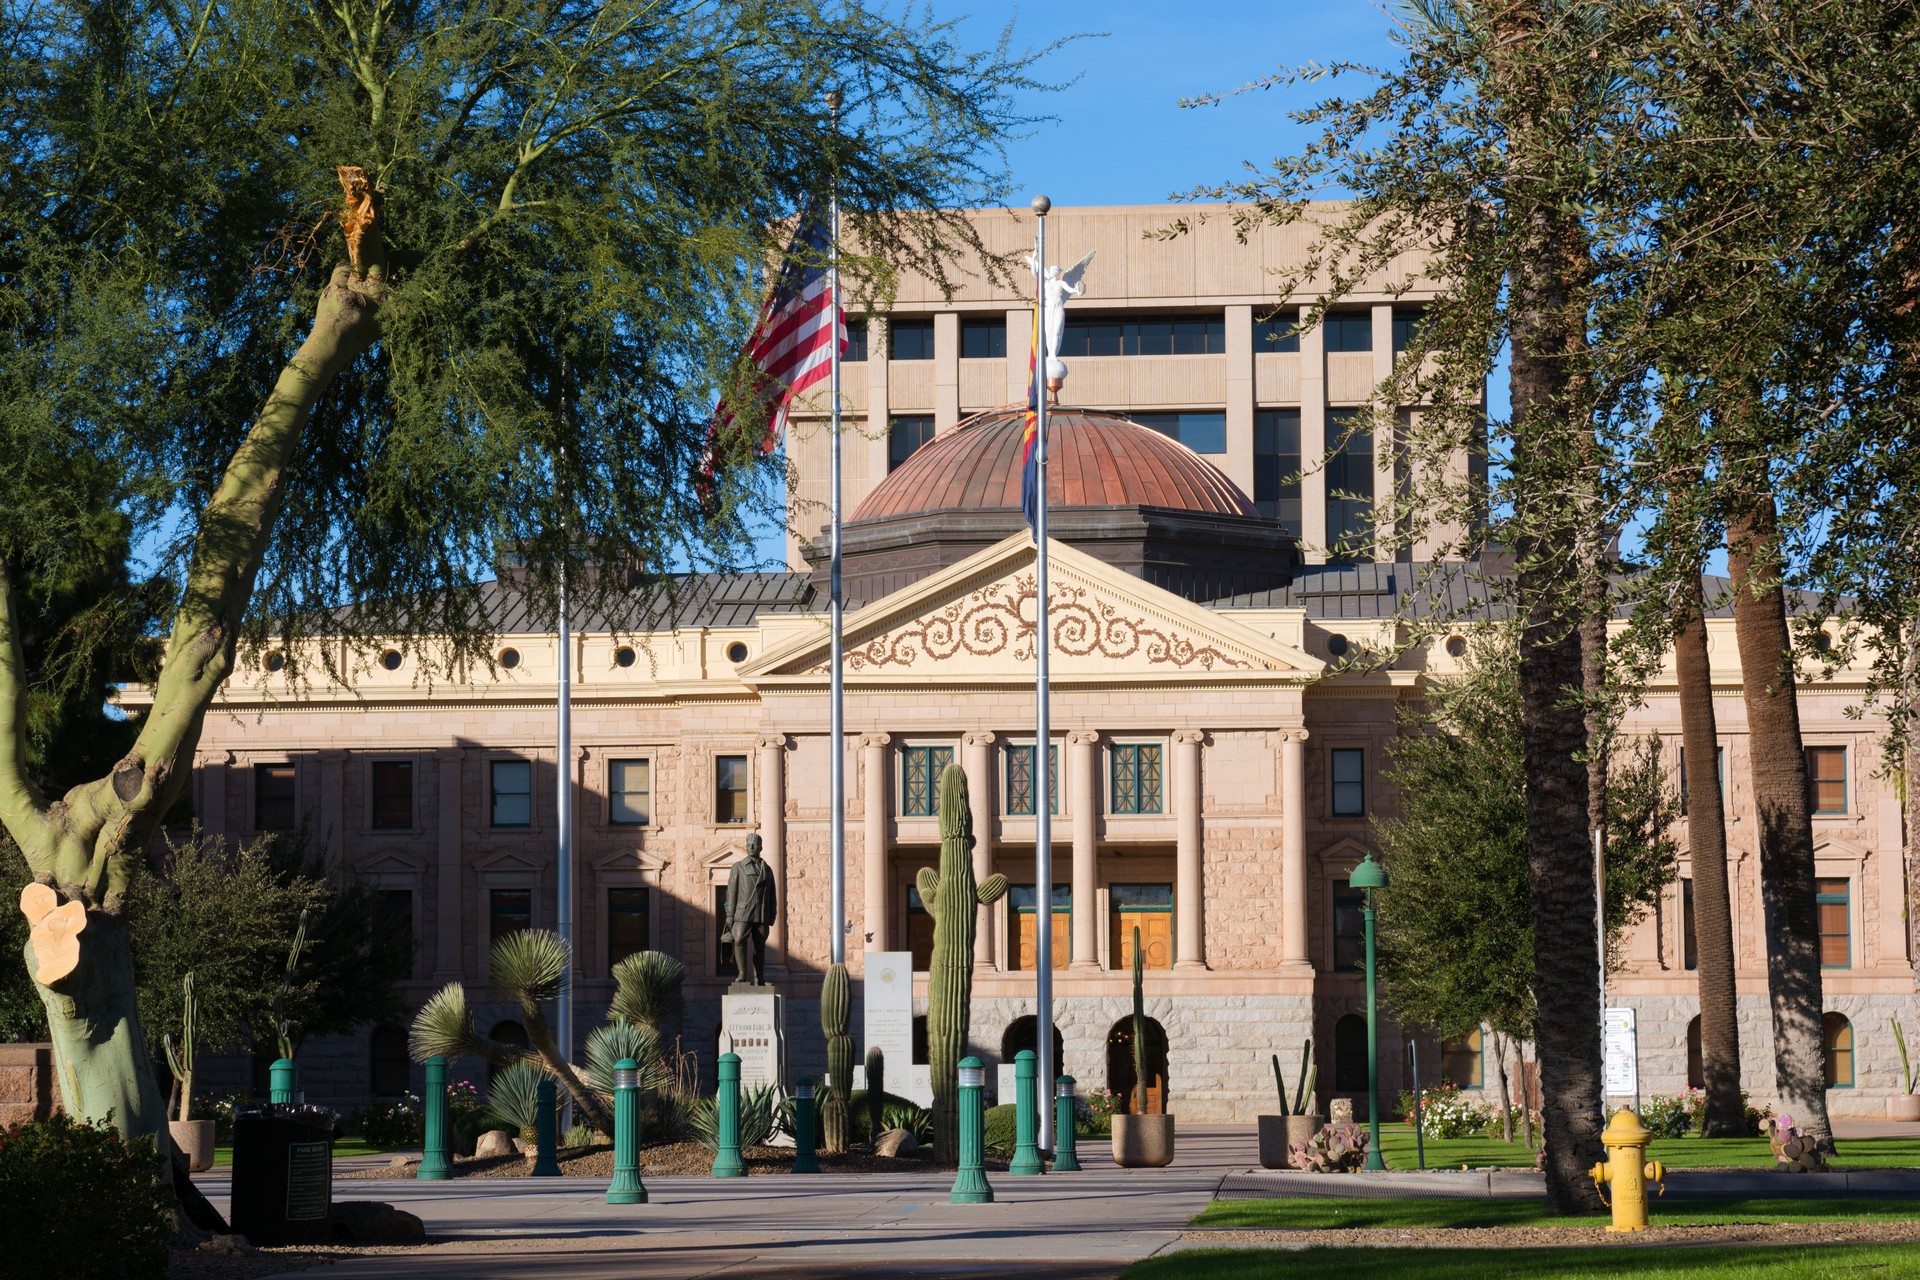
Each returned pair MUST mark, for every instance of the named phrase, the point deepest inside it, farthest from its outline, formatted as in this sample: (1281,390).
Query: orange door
(1026,945)
(1156,938)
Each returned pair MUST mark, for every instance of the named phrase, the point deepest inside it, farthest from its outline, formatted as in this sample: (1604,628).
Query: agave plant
(513,1099)
(759,1117)
(647,990)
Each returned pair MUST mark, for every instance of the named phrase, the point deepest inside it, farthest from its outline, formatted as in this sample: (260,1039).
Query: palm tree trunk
(1780,802)
(1707,847)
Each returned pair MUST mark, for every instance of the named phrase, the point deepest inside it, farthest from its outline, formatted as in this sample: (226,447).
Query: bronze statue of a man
(750,908)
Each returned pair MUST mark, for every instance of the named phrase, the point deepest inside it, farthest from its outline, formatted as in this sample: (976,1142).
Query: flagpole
(836,713)
(1042,735)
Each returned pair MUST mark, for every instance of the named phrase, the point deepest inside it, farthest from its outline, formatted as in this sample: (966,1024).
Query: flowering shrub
(1445,1113)
(463,1099)
(1101,1104)
(1670,1117)
(77,1200)
(392,1122)
(220,1111)
(1493,1128)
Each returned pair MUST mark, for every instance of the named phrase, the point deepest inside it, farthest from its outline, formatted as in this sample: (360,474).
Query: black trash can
(283,1174)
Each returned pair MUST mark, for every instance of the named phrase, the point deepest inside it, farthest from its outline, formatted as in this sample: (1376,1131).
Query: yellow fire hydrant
(1628,1170)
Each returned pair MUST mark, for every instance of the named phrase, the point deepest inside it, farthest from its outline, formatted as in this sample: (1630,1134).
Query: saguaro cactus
(1139,1031)
(180,1056)
(876,1090)
(952,896)
(835,999)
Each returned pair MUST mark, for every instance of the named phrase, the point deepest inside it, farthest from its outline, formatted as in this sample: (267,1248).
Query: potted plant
(1141,1141)
(1279,1133)
(1905,1106)
(193,1138)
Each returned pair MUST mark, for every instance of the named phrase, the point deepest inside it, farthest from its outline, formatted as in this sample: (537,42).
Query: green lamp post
(1370,875)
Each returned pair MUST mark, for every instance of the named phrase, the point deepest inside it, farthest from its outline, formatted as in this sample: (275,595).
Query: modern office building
(1217,766)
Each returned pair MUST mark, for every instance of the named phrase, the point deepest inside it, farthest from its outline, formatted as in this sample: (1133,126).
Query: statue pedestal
(753,1026)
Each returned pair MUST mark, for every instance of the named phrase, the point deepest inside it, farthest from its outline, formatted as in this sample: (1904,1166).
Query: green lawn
(223,1154)
(1315,1214)
(1397,1148)
(1879,1262)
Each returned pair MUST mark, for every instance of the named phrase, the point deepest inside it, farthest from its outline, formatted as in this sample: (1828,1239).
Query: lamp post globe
(1368,876)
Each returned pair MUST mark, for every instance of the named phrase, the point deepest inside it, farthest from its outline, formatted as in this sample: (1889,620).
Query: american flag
(790,346)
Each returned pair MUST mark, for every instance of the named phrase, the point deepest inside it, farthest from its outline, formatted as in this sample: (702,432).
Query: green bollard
(545,1123)
(626,1187)
(970,1187)
(434,1164)
(726,1105)
(1066,1157)
(283,1081)
(1026,1119)
(804,1160)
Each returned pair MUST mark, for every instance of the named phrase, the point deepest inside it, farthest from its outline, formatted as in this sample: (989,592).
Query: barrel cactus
(952,897)
(835,1001)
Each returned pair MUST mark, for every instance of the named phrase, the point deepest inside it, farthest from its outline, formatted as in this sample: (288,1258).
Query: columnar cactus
(952,897)
(1139,1031)
(1309,1074)
(180,1056)
(835,1000)
(876,1090)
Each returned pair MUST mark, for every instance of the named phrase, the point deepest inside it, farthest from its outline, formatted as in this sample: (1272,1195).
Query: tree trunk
(1499,1045)
(1909,707)
(99,1048)
(1781,808)
(1707,847)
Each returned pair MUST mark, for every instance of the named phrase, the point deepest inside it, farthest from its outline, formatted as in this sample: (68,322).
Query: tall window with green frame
(1136,777)
(1833,902)
(1020,780)
(920,769)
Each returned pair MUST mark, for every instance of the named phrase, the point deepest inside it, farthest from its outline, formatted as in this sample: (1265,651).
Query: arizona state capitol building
(1214,781)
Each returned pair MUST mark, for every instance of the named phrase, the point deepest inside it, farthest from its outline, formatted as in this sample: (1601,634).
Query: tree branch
(21,808)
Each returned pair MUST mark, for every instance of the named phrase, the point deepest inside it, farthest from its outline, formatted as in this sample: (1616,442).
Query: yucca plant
(608,1044)
(513,1099)
(647,990)
(759,1117)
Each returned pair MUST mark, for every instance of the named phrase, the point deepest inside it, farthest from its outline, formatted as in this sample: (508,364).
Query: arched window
(1350,1053)
(389,1067)
(1020,1035)
(1836,1038)
(1696,1074)
(1120,1076)
(1462,1060)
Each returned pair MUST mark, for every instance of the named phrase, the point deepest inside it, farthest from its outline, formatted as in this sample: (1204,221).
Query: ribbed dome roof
(1094,459)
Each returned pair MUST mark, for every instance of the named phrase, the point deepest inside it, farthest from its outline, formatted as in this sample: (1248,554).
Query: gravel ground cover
(683,1158)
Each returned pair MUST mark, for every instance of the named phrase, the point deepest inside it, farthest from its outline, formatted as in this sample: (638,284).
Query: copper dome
(1094,459)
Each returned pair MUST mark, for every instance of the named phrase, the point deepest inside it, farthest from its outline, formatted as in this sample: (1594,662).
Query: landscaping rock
(229,1246)
(404,1164)
(895,1142)
(495,1142)
(371,1222)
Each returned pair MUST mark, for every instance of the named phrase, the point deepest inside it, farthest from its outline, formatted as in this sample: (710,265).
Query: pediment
(510,860)
(390,862)
(725,856)
(974,622)
(1833,852)
(1345,849)
(629,859)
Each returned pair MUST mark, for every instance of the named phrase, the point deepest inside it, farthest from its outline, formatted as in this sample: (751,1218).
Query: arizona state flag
(1030,461)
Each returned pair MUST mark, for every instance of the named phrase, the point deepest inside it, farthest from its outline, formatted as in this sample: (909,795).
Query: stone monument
(750,912)
(888,1021)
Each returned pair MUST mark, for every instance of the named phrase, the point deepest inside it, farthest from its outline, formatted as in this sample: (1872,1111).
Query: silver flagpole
(1042,736)
(836,728)
(563,789)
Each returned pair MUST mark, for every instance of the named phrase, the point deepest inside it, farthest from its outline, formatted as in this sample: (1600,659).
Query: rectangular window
(905,434)
(920,769)
(1719,769)
(508,911)
(1019,792)
(1278,332)
(1406,321)
(1827,779)
(1349,484)
(1024,902)
(1200,431)
(919,931)
(983,339)
(1276,466)
(273,808)
(910,339)
(629,924)
(1348,330)
(1149,907)
(393,910)
(393,794)
(1349,778)
(856,352)
(1349,929)
(723,965)
(730,789)
(629,792)
(511,784)
(1136,777)
(1462,1061)
(1184,335)
(1831,901)
(1689,944)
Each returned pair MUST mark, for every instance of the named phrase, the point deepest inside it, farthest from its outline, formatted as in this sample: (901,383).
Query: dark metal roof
(1360,591)
(684,600)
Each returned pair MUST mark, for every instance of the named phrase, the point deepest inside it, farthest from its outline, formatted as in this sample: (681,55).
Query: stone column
(977,760)
(448,870)
(1189,891)
(330,814)
(1082,774)
(213,794)
(874,779)
(773,837)
(1293,851)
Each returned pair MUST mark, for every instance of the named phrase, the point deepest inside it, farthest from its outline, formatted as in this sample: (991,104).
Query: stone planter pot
(194,1139)
(1279,1133)
(1904,1107)
(1143,1142)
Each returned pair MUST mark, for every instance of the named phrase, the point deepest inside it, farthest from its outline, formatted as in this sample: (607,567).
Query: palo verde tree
(425,284)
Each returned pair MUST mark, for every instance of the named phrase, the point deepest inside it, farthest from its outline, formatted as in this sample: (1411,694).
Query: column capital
(874,741)
(1083,738)
(771,742)
(977,738)
(1190,737)
(1284,736)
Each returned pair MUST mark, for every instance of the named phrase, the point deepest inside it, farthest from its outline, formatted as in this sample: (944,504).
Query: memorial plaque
(309,1180)
(1622,1074)
(753,1026)
(889,1007)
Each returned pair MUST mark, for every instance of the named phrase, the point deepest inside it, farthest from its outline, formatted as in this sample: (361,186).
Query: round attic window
(1337,645)
(1822,641)
(275,661)
(623,656)
(391,659)
(509,658)
(1457,646)
(736,652)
